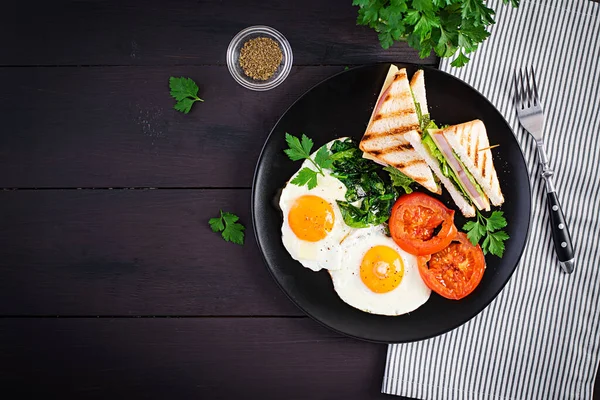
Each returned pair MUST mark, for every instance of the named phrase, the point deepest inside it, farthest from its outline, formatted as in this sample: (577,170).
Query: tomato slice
(455,271)
(421,225)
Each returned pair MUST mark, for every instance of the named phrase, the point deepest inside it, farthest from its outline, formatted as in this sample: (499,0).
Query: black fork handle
(560,231)
(560,234)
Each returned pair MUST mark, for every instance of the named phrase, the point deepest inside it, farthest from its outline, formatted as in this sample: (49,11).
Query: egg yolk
(311,218)
(381,269)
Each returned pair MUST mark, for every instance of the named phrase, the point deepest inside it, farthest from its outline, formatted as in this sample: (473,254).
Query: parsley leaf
(299,149)
(496,221)
(307,144)
(460,61)
(472,8)
(488,228)
(234,233)
(448,27)
(386,39)
(230,229)
(323,158)
(474,231)
(399,179)
(423,5)
(185,91)
(496,243)
(306,176)
(216,224)
(229,218)
(184,105)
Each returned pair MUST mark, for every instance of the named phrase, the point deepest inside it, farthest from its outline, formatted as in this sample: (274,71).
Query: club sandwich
(459,156)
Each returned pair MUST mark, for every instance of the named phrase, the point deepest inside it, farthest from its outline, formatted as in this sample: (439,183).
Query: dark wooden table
(112,284)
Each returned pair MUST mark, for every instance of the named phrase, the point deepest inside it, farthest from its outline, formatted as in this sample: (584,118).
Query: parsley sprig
(490,229)
(185,91)
(448,27)
(230,229)
(300,150)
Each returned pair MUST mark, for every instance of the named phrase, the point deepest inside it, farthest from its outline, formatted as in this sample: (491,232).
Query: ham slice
(466,183)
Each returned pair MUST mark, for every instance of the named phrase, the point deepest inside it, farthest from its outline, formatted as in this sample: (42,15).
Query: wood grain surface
(206,358)
(116,126)
(130,253)
(183,32)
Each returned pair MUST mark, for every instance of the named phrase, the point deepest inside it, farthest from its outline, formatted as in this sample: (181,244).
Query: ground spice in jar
(260,57)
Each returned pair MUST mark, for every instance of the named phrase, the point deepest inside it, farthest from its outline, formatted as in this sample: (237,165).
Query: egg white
(326,253)
(410,294)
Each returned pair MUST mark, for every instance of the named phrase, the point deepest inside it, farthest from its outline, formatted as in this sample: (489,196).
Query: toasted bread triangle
(471,144)
(393,116)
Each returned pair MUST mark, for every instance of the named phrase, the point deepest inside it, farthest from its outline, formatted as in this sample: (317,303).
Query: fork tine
(529,92)
(535,92)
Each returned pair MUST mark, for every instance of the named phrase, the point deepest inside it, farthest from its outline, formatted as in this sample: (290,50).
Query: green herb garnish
(300,150)
(488,228)
(448,27)
(369,195)
(230,229)
(185,91)
(399,179)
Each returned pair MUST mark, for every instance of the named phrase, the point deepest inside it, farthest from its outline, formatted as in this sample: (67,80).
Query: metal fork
(531,117)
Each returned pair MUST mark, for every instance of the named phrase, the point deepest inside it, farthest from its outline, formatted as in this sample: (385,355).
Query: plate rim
(259,241)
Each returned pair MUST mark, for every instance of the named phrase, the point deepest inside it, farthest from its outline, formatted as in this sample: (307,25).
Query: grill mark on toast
(399,148)
(404,95)
(462,140)
(400,75)
(477,152)
(468,142)
(394,114)
(483,173)
(409,164)
(396,131)
(469,148)
(366,138)
(403,130)
(419,179)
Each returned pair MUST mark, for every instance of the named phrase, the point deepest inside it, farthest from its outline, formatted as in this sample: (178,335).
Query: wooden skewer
(489,147)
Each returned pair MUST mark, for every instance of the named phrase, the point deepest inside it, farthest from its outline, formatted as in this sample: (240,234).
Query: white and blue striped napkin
(540,338)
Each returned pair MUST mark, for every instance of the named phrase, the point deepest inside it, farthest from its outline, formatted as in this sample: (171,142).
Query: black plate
(342,106)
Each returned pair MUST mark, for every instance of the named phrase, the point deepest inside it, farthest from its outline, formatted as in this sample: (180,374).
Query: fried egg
(313,227)
(377,276)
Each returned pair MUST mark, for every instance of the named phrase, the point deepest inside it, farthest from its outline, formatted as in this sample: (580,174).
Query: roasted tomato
(455,271)
(421,225)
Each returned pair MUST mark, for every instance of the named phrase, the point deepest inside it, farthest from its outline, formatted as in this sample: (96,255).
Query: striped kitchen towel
(540,338)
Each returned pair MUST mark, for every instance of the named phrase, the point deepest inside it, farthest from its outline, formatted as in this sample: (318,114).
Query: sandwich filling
(452,167)
(465,179)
